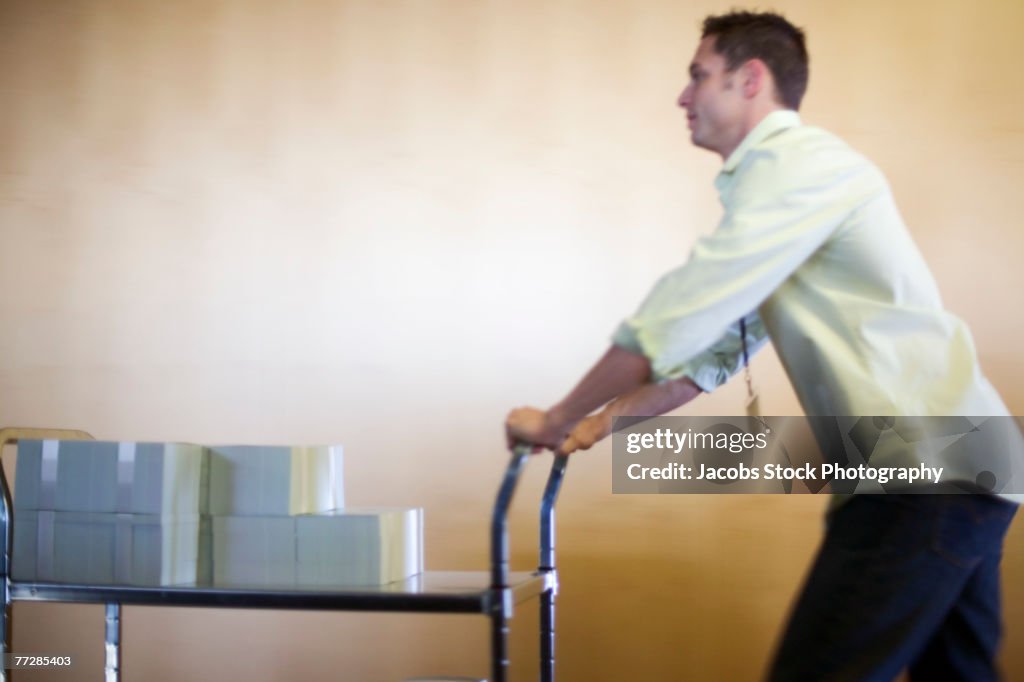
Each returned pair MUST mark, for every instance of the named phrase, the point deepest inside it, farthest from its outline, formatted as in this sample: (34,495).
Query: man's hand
(536,427)
(647,401)
(589,431)
(617,371)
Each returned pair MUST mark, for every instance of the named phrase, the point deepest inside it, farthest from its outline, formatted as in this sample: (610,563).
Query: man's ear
(755,76)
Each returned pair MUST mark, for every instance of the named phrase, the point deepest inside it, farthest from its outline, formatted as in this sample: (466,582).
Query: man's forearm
(648,400)
(651,400)
(618,371)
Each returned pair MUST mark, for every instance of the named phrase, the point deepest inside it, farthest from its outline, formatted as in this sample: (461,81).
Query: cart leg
(112,668)
(547,636)
(499,647)
(5,633)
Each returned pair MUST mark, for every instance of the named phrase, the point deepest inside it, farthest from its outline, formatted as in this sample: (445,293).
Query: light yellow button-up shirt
(813,244)
(812,251)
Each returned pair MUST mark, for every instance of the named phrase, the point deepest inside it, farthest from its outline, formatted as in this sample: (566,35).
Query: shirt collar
(772,123)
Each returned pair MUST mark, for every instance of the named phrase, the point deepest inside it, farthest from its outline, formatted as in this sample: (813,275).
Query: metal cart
(492,593)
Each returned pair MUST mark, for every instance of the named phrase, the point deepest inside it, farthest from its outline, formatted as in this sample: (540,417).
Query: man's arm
(778,214)
(617,372)
(703,373)
(650,400)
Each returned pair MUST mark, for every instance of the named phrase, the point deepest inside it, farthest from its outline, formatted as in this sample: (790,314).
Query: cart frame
(492,594)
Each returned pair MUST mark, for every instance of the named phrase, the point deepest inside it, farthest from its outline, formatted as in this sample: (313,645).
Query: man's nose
(684,97)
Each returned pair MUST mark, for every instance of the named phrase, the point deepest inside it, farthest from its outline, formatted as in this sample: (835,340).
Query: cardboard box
(111,477)
(252,480)
(111,549)
(176,478)
(340,548)
(360,546)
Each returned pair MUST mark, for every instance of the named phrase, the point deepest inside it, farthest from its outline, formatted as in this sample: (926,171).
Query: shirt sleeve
(719,363)
(779,212)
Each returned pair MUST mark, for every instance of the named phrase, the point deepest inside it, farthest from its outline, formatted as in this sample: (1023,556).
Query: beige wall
(384,223)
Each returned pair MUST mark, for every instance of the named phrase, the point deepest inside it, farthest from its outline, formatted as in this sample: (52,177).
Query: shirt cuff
(707,375)
(625,338)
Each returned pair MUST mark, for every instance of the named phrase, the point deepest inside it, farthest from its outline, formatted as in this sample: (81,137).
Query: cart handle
(499,519)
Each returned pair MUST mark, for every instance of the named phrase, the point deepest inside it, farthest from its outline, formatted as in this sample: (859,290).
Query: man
(811,252)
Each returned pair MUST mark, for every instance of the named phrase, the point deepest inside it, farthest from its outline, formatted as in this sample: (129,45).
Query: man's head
(746,66)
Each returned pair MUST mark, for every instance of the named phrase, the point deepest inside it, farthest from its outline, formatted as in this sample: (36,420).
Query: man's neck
(757,113)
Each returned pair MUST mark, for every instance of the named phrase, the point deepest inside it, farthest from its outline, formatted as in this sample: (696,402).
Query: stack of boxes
(279,519)
(104,513)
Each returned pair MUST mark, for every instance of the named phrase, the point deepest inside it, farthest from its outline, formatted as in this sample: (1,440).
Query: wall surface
(384,223)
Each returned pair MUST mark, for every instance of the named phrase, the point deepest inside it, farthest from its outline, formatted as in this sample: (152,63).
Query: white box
(341,548)
(111,477)
(106,549)
(253,550)
(260,480)
(372,546)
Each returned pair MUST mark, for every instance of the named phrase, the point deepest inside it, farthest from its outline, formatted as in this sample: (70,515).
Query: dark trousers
(901,581)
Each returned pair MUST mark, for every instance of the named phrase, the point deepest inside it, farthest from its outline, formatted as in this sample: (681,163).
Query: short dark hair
(742,36)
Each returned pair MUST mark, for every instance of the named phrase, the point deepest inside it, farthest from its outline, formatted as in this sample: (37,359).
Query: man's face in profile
(713,101)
